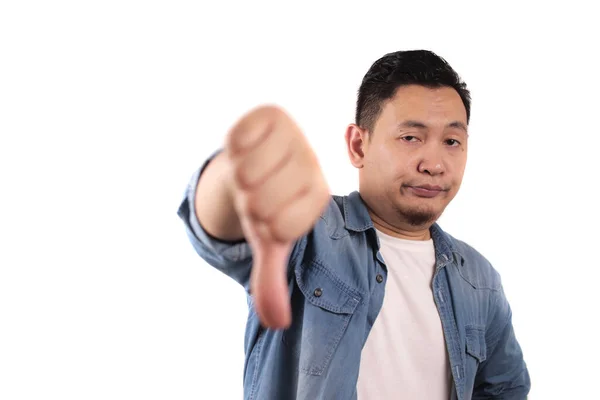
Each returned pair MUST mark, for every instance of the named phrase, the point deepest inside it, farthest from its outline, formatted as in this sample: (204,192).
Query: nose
(432,163)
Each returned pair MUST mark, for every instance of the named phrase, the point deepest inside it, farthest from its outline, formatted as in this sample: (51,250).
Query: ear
(356,144)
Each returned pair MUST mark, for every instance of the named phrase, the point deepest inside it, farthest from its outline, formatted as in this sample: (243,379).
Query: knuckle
(270,111)
(251,126)
(237,130)
(279,233)
(243,176)
(254,206)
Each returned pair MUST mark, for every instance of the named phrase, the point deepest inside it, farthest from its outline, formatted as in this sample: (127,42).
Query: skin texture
(420,138)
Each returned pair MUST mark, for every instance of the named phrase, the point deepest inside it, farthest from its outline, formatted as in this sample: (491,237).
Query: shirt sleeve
(504,374)
(232,258)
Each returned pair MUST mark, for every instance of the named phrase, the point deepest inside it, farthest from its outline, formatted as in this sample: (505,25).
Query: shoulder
(332,220)
(330,225)
(334,211)
(474,267)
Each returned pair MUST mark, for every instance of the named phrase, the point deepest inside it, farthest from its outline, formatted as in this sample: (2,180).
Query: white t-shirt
(405,354)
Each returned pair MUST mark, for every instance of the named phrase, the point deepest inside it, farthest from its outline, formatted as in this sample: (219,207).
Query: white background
(107,108)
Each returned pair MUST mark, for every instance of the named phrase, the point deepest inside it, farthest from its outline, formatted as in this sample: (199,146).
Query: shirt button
(379,278)
(318,292)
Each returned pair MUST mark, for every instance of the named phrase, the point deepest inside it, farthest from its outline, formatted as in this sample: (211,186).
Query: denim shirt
(318,356)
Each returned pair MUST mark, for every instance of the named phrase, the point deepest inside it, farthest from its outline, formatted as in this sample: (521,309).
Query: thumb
(268,283)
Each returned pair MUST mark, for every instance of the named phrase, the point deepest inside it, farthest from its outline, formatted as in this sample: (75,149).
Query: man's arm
(265,190)
(214,201)
(503,375)
(214,245)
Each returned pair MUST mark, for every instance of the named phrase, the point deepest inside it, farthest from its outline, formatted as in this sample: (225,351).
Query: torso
(405,354)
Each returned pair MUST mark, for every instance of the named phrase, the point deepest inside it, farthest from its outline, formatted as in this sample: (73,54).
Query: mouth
(427,191)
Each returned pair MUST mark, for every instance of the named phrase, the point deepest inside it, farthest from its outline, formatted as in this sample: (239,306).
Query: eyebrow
(420,125)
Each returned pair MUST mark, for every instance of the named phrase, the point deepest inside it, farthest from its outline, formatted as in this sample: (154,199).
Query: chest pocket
(322,307)
(476,346)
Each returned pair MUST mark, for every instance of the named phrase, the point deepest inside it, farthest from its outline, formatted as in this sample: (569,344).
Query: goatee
(417,217)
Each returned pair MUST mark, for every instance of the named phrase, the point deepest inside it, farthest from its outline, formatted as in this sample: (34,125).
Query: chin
(418,216)
(420,219)
(419,212)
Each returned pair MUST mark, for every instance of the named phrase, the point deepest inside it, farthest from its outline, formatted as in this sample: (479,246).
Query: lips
(427,191)
(430,187)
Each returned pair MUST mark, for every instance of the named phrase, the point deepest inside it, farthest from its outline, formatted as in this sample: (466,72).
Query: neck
(402,231)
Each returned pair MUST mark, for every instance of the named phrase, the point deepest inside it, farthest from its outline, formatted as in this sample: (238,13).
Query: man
(361,296)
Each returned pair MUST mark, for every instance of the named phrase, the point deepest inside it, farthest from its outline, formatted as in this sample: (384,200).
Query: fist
(279,192)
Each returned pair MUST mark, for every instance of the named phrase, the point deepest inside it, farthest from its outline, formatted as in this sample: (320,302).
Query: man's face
(414,159)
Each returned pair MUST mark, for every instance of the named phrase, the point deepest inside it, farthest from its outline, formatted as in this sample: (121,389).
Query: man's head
(409,140)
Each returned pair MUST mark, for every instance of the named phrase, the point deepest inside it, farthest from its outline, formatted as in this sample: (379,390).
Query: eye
(452,142)
(409,138)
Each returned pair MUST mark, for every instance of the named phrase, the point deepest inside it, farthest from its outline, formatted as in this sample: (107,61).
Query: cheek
(394,171)
(456,165)
(405,166)
(374,171)
(392,165)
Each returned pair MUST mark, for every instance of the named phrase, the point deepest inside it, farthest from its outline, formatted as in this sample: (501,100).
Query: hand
(279,193)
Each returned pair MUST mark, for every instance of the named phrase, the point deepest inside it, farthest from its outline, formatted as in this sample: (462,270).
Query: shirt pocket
(322,306)
(476,346)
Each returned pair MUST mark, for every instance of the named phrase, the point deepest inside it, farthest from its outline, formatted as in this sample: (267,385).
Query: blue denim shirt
(318,356)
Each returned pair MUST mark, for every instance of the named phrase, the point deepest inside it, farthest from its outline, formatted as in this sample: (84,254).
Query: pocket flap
(476,342)
(323,289)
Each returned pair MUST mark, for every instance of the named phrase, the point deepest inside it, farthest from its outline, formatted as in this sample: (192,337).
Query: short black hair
(401,68)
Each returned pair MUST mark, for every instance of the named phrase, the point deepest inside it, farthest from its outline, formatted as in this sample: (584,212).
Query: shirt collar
(357,219)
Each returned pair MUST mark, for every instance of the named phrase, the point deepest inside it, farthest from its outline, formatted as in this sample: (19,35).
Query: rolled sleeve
(232,258)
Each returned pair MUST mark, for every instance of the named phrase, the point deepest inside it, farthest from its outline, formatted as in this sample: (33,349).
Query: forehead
(433,105)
